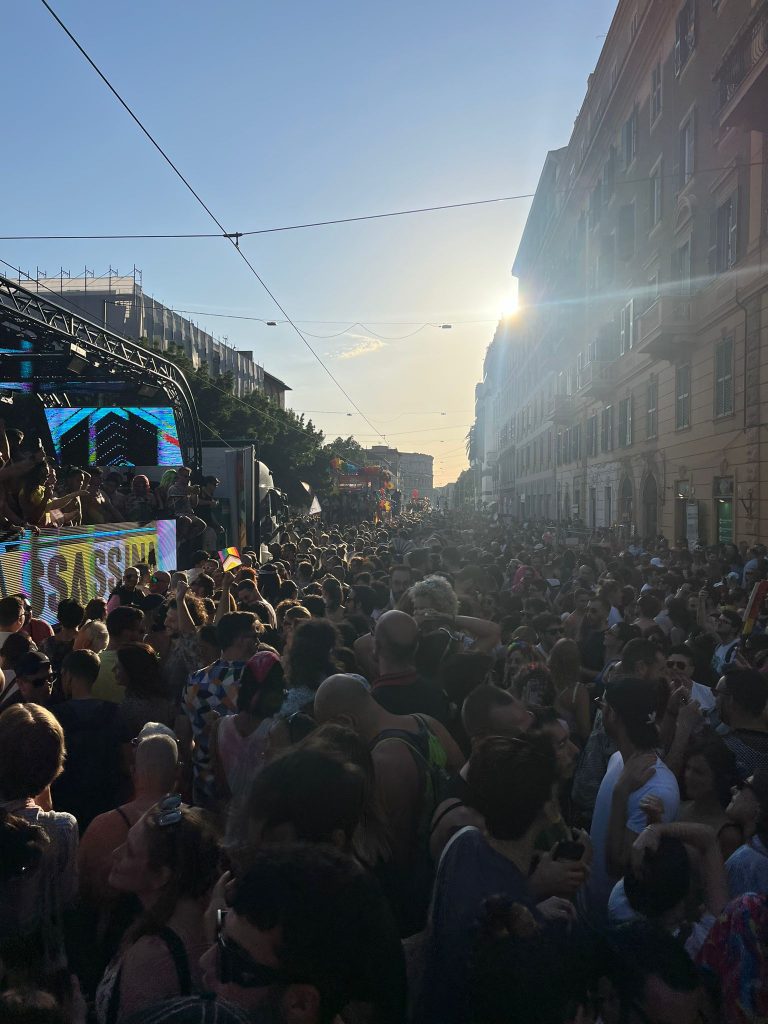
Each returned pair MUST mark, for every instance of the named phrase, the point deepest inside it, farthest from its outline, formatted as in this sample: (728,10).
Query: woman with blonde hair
(572,697)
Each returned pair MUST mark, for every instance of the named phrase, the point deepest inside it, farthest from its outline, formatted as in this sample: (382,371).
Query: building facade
(411,471)
(119,302)
(631,390)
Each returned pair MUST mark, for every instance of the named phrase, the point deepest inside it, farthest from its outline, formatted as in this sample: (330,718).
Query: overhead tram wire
(234,239)
(233,235)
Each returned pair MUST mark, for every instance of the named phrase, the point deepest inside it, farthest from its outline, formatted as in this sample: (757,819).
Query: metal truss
(54,327)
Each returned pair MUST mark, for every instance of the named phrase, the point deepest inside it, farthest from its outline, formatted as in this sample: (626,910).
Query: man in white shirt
(727,628)
(634,773)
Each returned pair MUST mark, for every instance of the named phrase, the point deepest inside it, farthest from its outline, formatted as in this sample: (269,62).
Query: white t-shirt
(705,695)
(723,654)
(593,897)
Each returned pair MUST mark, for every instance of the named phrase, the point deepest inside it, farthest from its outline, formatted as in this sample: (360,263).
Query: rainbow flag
(230,559)
(754,606)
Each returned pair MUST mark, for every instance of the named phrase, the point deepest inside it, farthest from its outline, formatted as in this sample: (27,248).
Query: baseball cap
(31,663)
(657,562)
(634,700)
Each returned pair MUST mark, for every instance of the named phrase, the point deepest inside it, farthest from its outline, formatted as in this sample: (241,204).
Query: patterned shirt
(209,694)
(737,953)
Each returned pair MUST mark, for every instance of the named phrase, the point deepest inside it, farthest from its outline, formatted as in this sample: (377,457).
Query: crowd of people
(441,770)
(36,493)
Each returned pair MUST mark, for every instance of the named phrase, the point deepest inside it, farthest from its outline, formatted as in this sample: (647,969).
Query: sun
(509,306)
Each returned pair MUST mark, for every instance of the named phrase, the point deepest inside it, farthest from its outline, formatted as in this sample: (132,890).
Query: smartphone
(569,849)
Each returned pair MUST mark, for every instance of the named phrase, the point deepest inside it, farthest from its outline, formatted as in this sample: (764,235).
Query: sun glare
(509,306)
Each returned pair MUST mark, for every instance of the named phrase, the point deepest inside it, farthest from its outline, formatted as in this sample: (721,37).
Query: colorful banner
(81,562)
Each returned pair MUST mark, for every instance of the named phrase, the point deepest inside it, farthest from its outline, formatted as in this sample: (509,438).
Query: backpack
(432,763)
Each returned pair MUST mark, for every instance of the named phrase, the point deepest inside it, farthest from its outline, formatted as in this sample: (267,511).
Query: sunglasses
(236,966)
(170,808)
(682,665)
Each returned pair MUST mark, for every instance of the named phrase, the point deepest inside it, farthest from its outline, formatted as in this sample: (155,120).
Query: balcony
(597,379)
(561,410)
(666,330)
(742,77)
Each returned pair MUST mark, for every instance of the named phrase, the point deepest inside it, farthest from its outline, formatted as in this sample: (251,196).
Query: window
(656,92)
(625,422)
(609,176)
(595,204)
(627,327)
(607,511)
(651,409)
(686,151)
(629,139)
(592,436)
(625,233)
(654,197)
(724,235)
(576,442)
(682,397)
(606,429)
(633,25)
(681,267)
(592,351)
(654,288)
(685,35)
(606,261)
(559,449)
(579,370)
(724,378)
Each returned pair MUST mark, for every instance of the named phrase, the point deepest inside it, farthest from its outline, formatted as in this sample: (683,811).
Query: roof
(282,386)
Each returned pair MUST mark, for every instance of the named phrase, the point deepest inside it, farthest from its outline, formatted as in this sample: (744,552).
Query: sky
(281,113)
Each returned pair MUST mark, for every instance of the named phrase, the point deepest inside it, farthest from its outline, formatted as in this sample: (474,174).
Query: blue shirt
(470,871)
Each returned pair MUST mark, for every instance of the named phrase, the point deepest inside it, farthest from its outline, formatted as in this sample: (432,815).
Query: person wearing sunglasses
(306,933)
(747,867)
(169,861)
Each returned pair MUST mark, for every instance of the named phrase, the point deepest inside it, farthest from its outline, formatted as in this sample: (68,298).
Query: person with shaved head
(399,688)
(408,752)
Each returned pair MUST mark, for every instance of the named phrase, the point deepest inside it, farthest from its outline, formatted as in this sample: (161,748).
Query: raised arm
(703,839)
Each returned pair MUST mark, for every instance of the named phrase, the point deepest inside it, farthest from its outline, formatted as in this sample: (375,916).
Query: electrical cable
(233,235)
(233,238)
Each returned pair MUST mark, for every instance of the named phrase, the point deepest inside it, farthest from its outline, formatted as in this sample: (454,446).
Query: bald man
(403,749)
(398,687)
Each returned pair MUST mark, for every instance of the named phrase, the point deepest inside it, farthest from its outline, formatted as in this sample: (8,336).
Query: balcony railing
(560,409)
(666,327)
(597,378)
(740,60)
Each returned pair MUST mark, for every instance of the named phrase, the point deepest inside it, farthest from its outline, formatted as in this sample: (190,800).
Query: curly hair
(438,592)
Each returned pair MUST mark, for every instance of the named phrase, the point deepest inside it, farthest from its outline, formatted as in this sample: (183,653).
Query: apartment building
(119,302)
(631,390)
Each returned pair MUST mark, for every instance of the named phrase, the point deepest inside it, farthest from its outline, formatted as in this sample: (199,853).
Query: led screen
(115,436)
